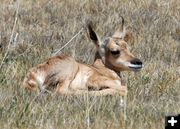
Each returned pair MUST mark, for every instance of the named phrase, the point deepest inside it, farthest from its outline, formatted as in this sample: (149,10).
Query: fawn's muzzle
(136,64)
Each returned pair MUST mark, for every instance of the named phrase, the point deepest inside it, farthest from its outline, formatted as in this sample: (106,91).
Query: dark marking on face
(117,52)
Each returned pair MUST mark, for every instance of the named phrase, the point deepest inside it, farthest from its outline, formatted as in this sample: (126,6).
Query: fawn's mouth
(135,67)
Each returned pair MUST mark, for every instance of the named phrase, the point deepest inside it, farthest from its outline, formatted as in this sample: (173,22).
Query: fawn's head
(114,51)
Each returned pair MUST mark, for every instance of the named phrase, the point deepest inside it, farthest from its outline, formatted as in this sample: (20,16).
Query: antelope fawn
(67,76)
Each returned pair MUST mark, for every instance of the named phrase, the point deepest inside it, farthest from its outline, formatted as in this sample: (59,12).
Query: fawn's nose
(136,61)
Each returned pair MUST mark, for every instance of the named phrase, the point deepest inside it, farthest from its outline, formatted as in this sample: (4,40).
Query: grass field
(32,30)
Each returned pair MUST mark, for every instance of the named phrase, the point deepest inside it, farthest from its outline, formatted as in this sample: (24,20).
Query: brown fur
(67,76)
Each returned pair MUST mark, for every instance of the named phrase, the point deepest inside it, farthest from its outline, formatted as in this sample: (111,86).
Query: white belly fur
(80,81)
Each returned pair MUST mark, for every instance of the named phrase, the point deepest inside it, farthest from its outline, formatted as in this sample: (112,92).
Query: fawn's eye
(115,52)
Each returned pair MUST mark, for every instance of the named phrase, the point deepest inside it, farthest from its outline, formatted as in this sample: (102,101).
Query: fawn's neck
(98,62)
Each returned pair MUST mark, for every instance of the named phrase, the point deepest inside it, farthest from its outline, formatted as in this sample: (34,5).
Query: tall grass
(32,30)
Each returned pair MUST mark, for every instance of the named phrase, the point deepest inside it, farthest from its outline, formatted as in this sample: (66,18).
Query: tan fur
(67,76)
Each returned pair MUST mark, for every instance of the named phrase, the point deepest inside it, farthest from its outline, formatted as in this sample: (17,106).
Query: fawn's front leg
(102,83)
(102,92)
(109,91)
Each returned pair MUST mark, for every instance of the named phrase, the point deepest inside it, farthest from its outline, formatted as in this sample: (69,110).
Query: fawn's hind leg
(109,91)
(63,87)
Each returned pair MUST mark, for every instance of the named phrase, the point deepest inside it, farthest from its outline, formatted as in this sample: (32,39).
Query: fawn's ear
(120,31)
(93,36)
(123,34)
(129,38)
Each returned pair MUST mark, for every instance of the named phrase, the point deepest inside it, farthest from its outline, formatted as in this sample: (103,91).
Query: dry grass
(38,28)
